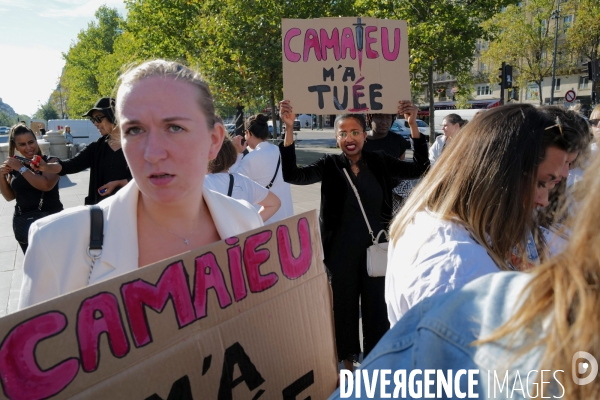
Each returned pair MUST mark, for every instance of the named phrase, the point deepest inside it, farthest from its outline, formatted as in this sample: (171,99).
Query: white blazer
(56,261)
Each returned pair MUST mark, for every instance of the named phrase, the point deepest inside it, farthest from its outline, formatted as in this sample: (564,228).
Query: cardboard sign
(245,318)
(340,65)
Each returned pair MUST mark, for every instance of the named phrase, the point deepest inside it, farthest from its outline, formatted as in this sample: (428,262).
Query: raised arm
(81,161)
(306,175)
(415,169)
(44,182)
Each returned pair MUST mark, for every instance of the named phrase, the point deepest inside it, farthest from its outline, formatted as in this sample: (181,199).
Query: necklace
(185,240)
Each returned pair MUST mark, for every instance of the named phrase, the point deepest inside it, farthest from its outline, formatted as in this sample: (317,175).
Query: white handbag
(377,253)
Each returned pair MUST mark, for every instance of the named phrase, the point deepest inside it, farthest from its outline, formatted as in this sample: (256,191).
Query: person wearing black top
(345,236)
(108,168)
(32,191)
(382,139)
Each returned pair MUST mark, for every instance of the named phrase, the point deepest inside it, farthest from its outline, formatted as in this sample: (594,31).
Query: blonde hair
(177,71)
(484,180)
(565,291)
(595,112)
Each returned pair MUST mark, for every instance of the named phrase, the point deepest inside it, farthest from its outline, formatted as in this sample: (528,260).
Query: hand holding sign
(286,112)
(287,116)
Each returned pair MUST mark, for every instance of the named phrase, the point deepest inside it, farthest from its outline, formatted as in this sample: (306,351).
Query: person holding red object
(109,171)
(36,193)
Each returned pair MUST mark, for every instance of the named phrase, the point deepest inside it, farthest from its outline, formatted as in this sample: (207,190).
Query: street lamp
(62,112)
(556,15)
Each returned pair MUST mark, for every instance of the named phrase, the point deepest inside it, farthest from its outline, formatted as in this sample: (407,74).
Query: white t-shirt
(433,256)
(244,188)
(259,165)
(436,148)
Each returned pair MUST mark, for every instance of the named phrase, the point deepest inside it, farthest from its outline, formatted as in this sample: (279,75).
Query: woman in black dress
(32,191)
(344,231)
(108,168)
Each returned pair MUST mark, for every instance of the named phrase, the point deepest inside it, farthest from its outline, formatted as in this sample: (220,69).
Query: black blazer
(334,185)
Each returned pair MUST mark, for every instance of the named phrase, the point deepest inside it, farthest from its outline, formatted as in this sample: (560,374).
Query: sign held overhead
(340,65)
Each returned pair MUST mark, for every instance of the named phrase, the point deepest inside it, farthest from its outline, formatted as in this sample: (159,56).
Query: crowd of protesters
(493,255)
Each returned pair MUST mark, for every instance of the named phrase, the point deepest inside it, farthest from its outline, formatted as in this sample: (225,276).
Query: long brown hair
(565,293)
(576,131)
(485,179)
(225,158)
(17,130)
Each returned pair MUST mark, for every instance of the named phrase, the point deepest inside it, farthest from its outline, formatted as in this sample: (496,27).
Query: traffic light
(501,76)
(592,70)
(508,76)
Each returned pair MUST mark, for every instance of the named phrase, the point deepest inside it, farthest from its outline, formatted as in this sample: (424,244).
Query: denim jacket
(437,334)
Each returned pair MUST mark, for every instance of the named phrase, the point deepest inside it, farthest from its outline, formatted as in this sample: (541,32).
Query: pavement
(311,146)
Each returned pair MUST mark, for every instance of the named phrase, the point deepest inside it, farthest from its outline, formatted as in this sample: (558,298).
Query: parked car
(296,125)
(4,130)
(399,128)
(421,125)
(230,128)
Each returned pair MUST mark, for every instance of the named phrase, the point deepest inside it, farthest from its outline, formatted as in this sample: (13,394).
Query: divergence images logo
(579,367)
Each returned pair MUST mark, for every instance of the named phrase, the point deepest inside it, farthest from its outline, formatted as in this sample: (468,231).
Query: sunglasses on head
(97,119)
(594,122)
(556,125)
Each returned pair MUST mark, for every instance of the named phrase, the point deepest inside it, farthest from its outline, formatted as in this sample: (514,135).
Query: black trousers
(351,290)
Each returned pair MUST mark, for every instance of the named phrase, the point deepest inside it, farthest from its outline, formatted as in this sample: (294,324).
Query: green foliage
(464,83)
(442,34)
(583,36)
(22,117)
(83,74)
(522,38)
(5,119)
(46,112)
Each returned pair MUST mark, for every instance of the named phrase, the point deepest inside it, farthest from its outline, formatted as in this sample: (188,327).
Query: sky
(33,36)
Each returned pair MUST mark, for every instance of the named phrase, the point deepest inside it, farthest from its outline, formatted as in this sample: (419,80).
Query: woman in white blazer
(262,164)
(167,119)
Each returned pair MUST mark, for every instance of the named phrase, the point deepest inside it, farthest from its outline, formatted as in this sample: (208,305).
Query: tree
(583,36)
(5,119)
(244,48)
(46,112)
(82,68)
(523,37)
(442,35)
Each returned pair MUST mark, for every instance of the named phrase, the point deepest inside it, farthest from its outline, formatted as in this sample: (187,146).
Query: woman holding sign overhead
(168,141)
(344,230)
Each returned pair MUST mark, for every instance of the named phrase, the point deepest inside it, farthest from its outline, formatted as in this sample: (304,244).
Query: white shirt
(259,165)
(244,188)
(433,256)
(56,261)
(436,148)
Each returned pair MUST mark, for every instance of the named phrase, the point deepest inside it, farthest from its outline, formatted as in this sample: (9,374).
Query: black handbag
(23,221)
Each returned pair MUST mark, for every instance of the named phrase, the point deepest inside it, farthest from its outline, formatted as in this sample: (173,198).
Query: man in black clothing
(381,138)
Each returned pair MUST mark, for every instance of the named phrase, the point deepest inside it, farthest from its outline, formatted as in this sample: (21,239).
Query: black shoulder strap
(230,185)
(97,227)
(274,176)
